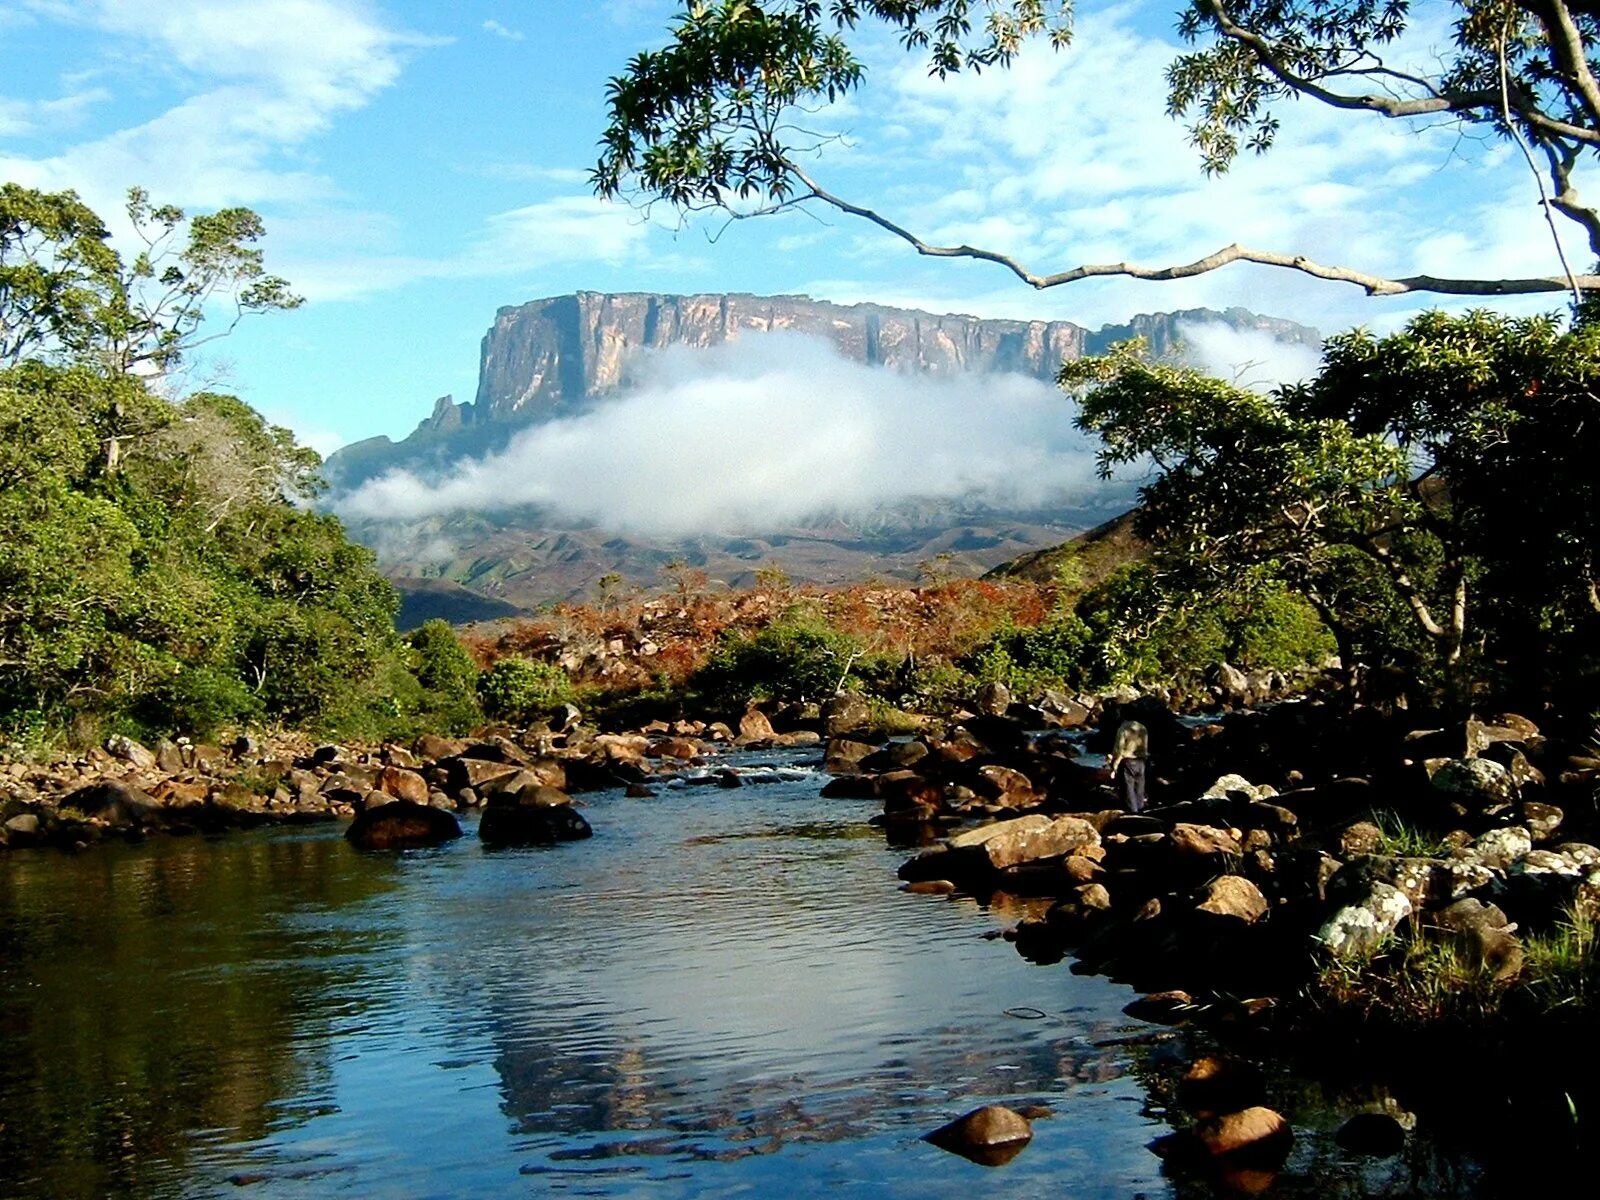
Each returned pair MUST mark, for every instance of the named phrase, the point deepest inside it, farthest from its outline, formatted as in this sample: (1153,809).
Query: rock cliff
(551,358)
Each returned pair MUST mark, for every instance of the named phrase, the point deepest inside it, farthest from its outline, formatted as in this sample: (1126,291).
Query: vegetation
(159,568)
(719,116)
(522,689)
(1392,493)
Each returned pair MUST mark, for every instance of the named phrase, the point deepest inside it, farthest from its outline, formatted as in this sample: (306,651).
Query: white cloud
(502,31)
(1251,358)
(757,434)
(256,79)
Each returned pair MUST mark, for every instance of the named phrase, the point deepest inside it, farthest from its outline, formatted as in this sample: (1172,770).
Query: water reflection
(721,993)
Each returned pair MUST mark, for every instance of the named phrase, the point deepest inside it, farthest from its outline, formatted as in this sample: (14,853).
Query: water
(721,994)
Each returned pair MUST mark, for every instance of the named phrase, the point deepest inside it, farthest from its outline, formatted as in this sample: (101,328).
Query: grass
(1404,840)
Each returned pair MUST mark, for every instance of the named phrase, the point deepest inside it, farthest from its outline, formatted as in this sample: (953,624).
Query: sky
(420,165)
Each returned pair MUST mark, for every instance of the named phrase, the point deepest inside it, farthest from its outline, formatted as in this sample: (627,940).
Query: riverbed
(722,993)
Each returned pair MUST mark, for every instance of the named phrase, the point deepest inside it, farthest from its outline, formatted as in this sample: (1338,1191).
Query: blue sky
(421,164)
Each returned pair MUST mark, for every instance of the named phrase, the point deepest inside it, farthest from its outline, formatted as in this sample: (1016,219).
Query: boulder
(115,801)
(1161,1008)
(1007,786)
(1024,839)
(845,714)
(532,824)
(130,751)
(403,784)
(1233,898)
(475,773)
(1220,1084)
(1064,712)
(1476,783)
(754,727)
(1500,848)
(843,756)
(1357,930)
(991,1135)
(682,749)
(169,756)
(1375,1134)
(402,825)
(1203,841)
(1255,1131)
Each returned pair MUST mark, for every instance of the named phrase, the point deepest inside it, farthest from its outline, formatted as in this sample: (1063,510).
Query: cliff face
(548,357)
(553,357)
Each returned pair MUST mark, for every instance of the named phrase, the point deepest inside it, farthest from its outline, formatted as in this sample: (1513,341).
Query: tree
(717,118)
(66,293)
(1442,472)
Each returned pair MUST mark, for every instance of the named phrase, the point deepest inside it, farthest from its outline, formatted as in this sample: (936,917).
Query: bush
(1056,654)
(798,657)
(522,689)
(447,679)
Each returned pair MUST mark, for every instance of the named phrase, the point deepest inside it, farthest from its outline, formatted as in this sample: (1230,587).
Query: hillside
(1090,556)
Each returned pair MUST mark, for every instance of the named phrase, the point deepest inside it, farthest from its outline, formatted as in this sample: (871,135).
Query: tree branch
(1566,46)
(1373,285)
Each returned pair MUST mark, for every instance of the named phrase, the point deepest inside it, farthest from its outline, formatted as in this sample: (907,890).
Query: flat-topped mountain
(554,357)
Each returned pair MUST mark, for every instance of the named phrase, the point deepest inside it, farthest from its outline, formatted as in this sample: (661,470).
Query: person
(1130,756)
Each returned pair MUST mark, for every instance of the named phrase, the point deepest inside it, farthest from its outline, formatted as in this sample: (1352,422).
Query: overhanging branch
(1373,285)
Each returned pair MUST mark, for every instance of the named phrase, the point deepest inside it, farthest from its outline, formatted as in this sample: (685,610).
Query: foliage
(719,116)
(158,570)
(523,689)
(1056,654)
(447,676)
(65,292)
(1392,492)
(797,657)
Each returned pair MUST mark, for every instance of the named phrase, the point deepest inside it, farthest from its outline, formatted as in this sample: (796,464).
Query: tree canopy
(717,118)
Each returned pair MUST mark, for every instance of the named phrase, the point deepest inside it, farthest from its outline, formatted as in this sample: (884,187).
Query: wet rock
(532,824)
(1233,898)
(638,791)
(1358,930)
(1256,1131)
(402,825)
(1007,786)
(1220,1084)
(1375,1134)
(992,1135)
(929,887)
(1171,1007)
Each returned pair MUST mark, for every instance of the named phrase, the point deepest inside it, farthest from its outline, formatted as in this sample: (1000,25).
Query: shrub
(798,657)
(521,689)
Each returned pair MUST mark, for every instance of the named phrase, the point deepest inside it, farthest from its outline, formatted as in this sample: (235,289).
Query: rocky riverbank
(129,790)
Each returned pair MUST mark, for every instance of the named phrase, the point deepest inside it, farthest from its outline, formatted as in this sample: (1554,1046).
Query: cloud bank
(758,434)
(1252,358)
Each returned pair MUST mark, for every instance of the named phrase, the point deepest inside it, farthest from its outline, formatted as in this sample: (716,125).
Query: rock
(1476,782)
(992,1135)
(476,773)
(1500,848)
(169,756)
(1233,684)
(1541,820)
(679,748)
(1361,838)
(1255,1131)
(1507,727)
(1220,1084)
(929,887)
(1161,1008)
(532,824)
(21,829)
(1233,898)
(1064,712)
(130,751)
(114,801)
(403,784)
(1007,786)
(908,793)
(431,746)
(565,717)
(1468,914)
(402,825)
(993,700)
(1375,1134)
(1227,785)
(1024,839)
(1496,951)
(754,727)
(843,755)
(1357,930)
(845,714)
(1202,841)
(638,791)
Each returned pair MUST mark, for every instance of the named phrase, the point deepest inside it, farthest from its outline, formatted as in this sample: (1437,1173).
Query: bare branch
(1566,45)
(1373,285)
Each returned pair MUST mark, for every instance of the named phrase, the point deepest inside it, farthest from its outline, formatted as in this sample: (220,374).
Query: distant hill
(1092,555)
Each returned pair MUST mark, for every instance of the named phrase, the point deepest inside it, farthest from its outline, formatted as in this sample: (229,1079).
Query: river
(721,994)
